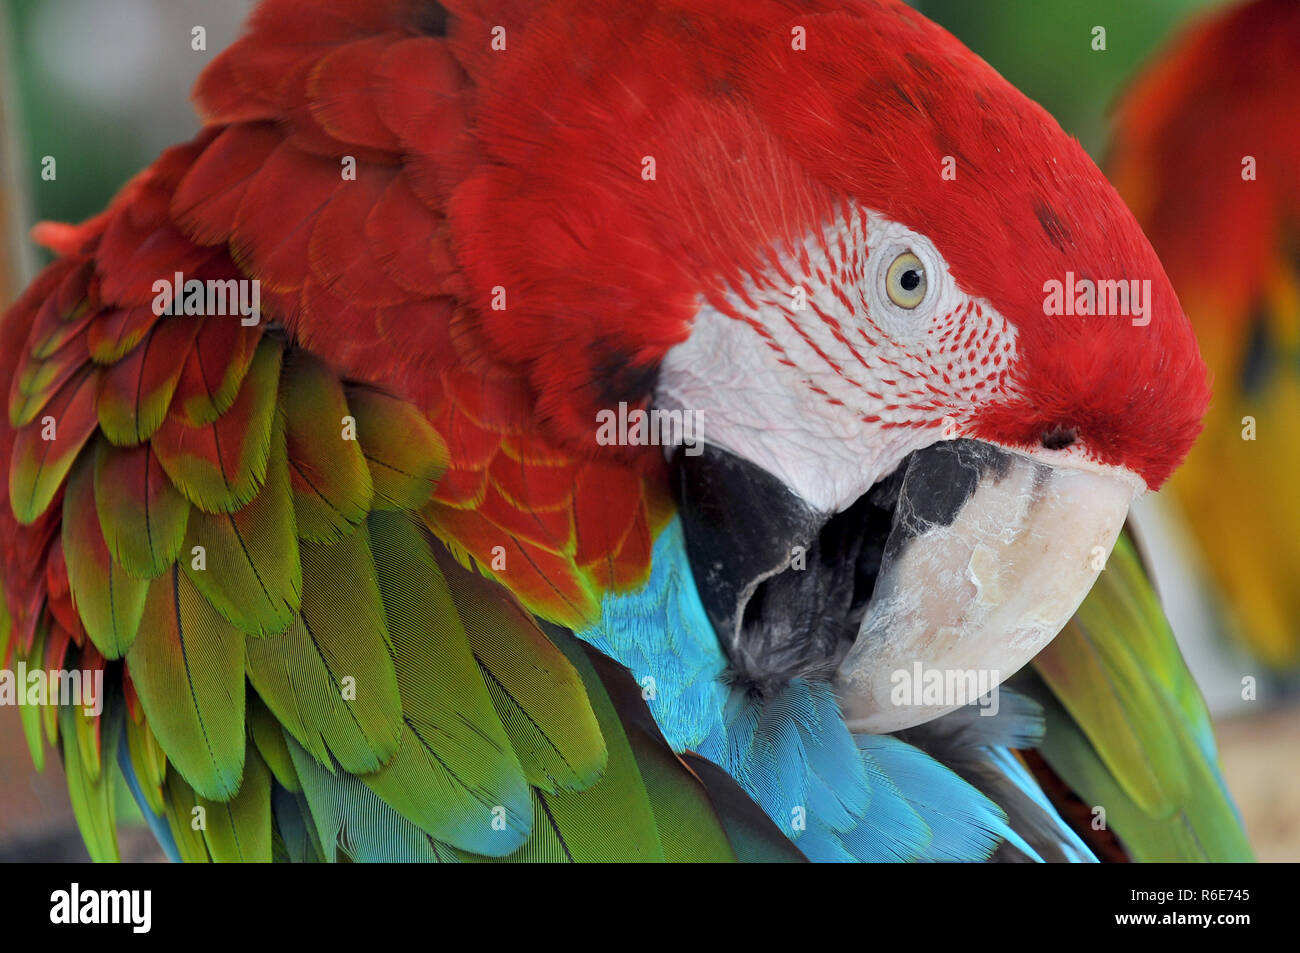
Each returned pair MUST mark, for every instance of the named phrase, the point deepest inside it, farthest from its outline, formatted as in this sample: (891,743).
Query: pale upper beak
(990,554)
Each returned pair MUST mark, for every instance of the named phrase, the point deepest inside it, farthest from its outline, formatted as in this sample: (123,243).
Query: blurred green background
(102,85)
(1045,47)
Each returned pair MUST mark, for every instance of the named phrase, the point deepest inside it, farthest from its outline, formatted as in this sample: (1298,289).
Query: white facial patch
(814,373)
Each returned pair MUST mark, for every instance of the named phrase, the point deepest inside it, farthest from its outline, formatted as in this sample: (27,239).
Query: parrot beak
(953,571)
(989,555)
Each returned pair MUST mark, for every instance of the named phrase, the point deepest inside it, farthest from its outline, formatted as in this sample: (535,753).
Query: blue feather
(833,759)
(1009,765)
(966,824)
(352,821)
(157,822)
(662,632)
(891,830)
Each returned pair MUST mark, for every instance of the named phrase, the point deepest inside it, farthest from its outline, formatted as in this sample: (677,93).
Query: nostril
(1058,438)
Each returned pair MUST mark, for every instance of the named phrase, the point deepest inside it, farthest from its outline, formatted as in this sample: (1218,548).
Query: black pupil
(910,280)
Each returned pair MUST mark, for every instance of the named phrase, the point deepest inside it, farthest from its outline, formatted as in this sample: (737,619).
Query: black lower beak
(785,586)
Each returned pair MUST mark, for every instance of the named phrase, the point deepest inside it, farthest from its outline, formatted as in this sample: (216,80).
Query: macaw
(629,395)
(1207,153)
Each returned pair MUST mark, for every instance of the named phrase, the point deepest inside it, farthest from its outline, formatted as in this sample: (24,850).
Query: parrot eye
(905,281)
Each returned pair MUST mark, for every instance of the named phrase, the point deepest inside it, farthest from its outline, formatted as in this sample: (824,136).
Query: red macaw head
(931,355)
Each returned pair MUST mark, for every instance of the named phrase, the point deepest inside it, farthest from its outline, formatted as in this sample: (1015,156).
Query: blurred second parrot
(1207,154)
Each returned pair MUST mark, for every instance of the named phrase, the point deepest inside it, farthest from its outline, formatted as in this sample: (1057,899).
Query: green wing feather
(406,455)
(538,695)
(148,762)
(91,789)
(613,819)
(239,830)
(142,516)
(33,717)
(684,819)
(332,489)
(268,737)
(696,820)
(110,601)
(187,664)
(330,678)
(86,730)
(183,820)
(353,823)
(1127,728)
(251,572)
(456,771)
(648,805)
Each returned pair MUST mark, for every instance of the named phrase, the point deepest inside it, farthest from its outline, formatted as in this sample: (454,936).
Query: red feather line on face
(1026,206)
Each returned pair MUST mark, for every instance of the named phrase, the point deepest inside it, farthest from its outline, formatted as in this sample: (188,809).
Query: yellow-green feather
(143,535)
(332,485)
(184,821)
(109,601)
(268,736)
(536,690)
(148,761)
(405,454)
(329,678)
(91,791)
(1127,728)
(239,830)
(187,665)
(251,572)
(456,771)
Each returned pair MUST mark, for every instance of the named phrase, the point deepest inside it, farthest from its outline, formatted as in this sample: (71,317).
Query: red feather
(40,463)
(604,518)
(60,596)
(273,227)
(113,333)
(213,370)
(65,313)
(207,200)
(408,241)
(342,260)
(134,393)
(345,107)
